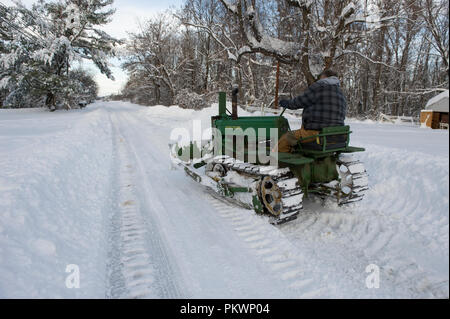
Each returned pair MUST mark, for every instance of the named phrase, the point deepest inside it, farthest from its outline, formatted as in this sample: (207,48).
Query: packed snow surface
(95,188)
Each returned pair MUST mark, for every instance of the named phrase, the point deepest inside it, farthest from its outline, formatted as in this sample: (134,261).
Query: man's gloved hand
(284,103)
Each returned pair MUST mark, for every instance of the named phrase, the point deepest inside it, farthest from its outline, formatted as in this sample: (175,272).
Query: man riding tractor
(323,105)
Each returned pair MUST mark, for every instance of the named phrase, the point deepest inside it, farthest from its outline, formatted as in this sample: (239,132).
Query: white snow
(54,201)
(95,188)
(438,97)
(439,103)
(347,9)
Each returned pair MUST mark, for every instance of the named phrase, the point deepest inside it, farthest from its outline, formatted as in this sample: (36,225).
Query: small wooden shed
(435,114)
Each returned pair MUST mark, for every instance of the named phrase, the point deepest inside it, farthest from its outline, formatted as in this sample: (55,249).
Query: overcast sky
(128,13)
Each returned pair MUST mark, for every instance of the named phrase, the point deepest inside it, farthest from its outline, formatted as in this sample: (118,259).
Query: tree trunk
(376,88)
(277,85)
(50,101)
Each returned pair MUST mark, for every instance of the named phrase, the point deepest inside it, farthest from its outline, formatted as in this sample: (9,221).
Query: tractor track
(277,254)
(138,266)
(290,194)
(371,240)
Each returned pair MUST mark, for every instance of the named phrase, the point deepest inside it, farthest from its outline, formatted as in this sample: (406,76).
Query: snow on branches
(257,40)
(309,33)
(40,44)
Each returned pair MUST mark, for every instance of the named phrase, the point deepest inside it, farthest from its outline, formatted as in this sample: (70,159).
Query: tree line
(392,56)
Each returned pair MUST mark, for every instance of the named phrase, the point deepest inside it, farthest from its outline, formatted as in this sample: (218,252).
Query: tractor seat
(335,137)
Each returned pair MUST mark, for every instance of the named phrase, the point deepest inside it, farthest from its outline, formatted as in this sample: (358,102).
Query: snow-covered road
(95,188)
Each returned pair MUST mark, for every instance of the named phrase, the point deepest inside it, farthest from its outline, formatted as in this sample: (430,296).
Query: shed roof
(439,103)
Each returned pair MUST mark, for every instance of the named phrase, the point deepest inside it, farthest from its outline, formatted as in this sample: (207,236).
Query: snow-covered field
(95,189)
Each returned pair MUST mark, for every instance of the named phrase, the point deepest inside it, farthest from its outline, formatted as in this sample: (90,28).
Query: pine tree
(41,45)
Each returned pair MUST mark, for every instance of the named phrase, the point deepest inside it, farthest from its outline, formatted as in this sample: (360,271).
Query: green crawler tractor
(239,164)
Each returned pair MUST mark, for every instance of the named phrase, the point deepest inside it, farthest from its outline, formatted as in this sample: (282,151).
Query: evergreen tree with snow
(40,45)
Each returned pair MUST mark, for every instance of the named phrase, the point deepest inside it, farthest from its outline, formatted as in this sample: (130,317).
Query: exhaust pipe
(234,98)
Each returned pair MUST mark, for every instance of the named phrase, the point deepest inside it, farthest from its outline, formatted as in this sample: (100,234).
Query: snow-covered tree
(41,44)
(157,60)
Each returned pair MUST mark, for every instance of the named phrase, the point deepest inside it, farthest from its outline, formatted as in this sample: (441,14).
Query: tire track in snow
(369,239)
(131,270)
(271,247)
(408,205)
(139,267)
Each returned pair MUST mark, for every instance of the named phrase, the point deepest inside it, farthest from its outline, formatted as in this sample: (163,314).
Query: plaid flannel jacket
(323,104)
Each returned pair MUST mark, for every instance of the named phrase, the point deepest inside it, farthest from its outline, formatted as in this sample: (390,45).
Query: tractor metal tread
(284,179)
(359,182)
(292,192)
(287,184)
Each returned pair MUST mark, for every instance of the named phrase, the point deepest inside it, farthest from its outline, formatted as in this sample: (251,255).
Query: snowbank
(53,191)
